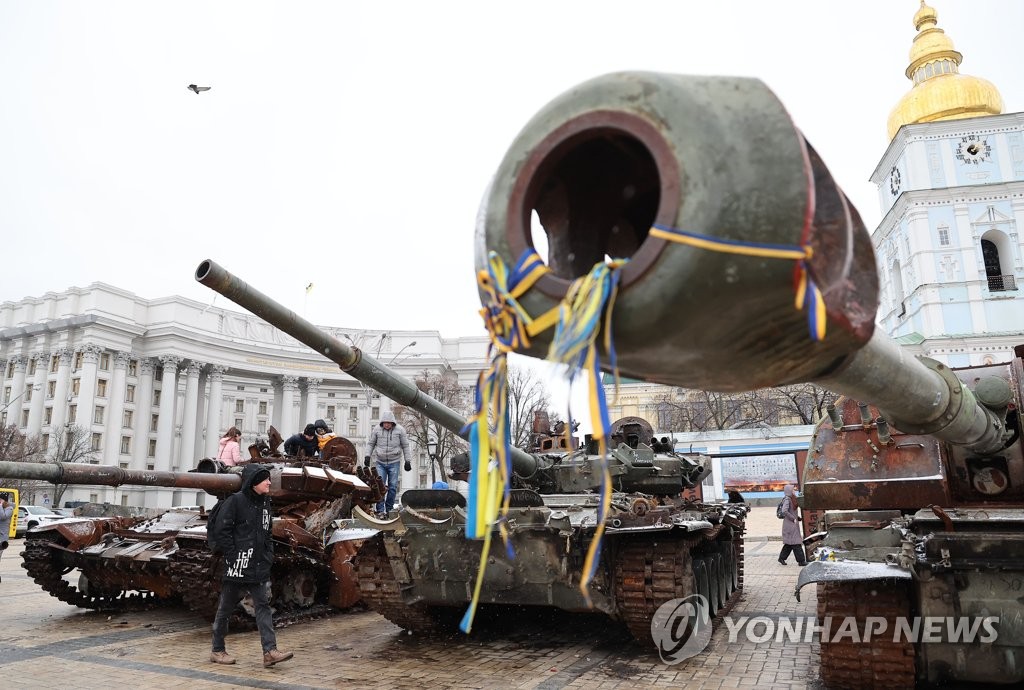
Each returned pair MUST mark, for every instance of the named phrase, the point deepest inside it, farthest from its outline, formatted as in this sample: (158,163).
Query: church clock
(972,150)
(894,182)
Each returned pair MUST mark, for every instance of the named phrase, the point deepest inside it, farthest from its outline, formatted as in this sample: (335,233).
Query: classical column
(214,406)
(87,386)
(115,410)
(60,394)
(143,414)
(35,414)
(165,424)
(275,408)
(289,384)
(188,419)
(312,398)
(14,405)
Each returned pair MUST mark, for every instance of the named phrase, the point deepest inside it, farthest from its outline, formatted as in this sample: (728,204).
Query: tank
(418,570)
(119,563)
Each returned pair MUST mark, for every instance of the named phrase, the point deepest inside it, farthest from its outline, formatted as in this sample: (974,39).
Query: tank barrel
(352,360)
(105,475)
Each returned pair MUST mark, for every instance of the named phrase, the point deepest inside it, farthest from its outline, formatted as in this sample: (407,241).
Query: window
(45,441)
(54,363)
(944,235)
(353,414)
(97,441)
(374,412)
(152,450)
(10,369)
(129,393)
(51,389)
(263,390)
(133,367)
(75,385)
(239,406)
(79,358)
(238,422)
(101,388)
(263,406)
(126,419)
(124,498)
(94,498)
(105,361)
(330,395)
(48,416)
(28,393)
(330,411)
(7,394)
(351,429)
(32,366)
(354,395)
(241,388)
(156,397)
(24,418)
(262,427)
(72,413)
(126,445)
(154,421)
(97,414)
(69,438)
(3,419)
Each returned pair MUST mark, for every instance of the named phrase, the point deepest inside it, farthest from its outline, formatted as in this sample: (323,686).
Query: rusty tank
(418,569)
(119,563)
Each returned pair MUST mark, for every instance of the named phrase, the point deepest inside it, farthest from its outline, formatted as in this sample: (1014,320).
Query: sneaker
(782,562)
(221,658)
(275,657)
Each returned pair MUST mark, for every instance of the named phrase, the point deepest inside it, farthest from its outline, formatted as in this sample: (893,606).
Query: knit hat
(310,430)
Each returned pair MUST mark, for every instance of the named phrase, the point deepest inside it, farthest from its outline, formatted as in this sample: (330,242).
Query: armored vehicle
(130,562)
(419,569)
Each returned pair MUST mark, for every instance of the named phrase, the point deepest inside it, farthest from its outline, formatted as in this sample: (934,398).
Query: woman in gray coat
(792,539)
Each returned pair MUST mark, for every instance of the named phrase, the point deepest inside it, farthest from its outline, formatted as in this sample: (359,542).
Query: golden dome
(940,92)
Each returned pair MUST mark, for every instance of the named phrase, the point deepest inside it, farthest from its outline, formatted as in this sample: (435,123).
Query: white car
(33,516)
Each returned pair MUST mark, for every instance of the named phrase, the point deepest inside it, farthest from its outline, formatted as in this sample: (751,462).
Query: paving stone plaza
(45,643)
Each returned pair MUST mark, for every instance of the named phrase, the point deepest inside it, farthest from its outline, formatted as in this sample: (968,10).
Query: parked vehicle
(33,516)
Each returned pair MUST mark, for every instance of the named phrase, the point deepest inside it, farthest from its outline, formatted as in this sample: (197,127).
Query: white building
(951,184)
(157,382)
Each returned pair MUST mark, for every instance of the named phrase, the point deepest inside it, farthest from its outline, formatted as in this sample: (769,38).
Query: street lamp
(432,452)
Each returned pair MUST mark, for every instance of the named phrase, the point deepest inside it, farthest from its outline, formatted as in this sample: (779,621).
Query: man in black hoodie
(243,533)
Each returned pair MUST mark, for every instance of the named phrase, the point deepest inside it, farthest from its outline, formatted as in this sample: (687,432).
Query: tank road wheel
(647,574)
(717,598)
(701,579)
(383,593)
(880,663)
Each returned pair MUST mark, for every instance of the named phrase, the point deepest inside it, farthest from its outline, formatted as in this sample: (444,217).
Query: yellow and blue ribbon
(588,303)
(808,296)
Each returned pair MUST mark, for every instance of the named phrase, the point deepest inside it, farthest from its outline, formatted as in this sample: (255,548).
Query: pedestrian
(459,479)
(792,540)
(231,447)
(6,513)
(323,432)
(388,445)
(302,443)
(244,535)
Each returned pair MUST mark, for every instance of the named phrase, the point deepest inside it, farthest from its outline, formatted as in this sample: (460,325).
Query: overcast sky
(348,144)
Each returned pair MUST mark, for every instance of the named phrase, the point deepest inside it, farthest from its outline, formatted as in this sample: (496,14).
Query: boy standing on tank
(243,533)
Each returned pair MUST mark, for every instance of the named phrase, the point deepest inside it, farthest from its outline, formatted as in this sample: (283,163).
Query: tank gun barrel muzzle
(352,360)
(105,475)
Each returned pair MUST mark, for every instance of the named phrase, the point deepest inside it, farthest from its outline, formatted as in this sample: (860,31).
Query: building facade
(156,383)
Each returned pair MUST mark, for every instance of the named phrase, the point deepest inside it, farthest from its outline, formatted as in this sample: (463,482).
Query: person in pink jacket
(230,447)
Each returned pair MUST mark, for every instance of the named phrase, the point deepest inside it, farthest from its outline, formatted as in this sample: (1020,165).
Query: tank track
(196,572)
(382,592)
(649,572)
(881,663)
(45,565)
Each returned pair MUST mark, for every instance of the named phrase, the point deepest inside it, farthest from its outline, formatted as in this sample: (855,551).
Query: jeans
(797,551)
(389,474)
(230,594)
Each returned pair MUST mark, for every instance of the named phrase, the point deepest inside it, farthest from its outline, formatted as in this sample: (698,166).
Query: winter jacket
(299,442)
(790,523)
(229,453)
(245,529)
(388,446)
(5,521)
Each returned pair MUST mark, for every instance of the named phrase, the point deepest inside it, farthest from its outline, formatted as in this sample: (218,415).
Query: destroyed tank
(418,570)
(120,563)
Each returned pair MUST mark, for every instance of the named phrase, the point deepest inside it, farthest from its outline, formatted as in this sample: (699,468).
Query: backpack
(213,527)
(780,512)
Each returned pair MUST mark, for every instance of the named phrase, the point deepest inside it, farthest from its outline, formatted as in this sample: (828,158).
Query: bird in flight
(197,89)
